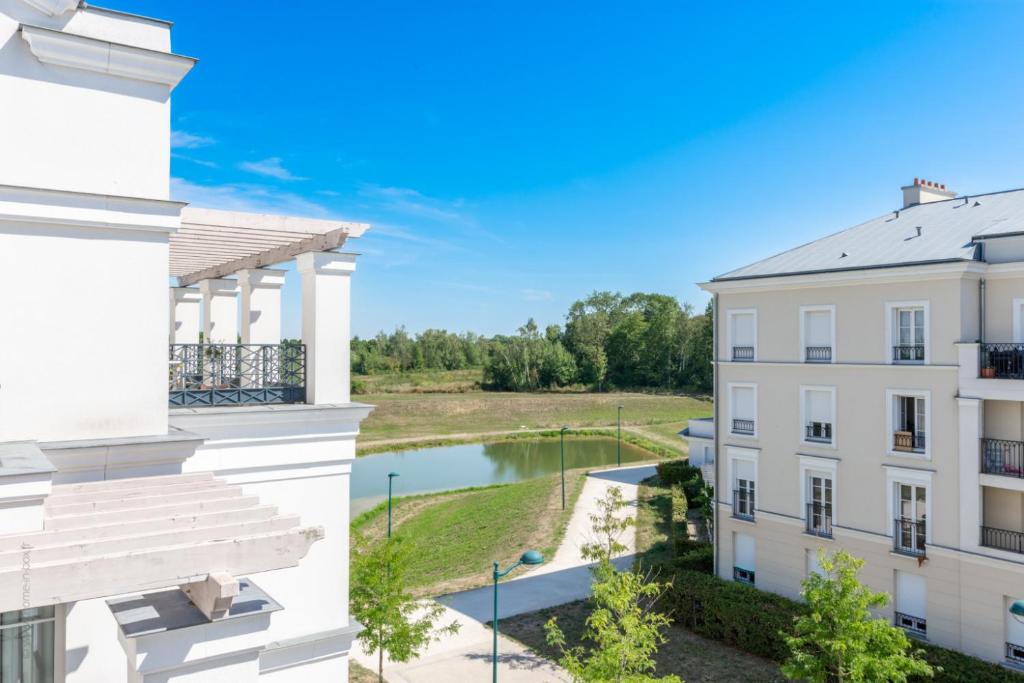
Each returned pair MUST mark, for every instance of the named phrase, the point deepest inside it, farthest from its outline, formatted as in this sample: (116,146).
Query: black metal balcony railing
(819,431)
(915,625)
(743,575)
(908,353)
(818,354)
(908,536)
(743,353)
(1015,653)
(908,442)
(743,504)
(236,374)
(740,426)
(999,456)
(1002,361)
(819,519)
(1002,539)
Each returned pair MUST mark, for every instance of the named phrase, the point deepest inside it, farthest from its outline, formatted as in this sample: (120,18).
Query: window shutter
(744,552)
(911,594)
(743,329)
(743,403)
(818,328)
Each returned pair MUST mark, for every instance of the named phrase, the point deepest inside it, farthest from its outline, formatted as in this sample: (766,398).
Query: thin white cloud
(270,167)
(193,160)
(246,197)
(184,140)
(410,202)
(536,294)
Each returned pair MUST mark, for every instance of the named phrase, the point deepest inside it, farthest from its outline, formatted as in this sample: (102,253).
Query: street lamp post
(561,451)
(618,443)
(529,557)
(391,478)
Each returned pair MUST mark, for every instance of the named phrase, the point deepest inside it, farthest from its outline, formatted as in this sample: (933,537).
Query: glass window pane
(26,653)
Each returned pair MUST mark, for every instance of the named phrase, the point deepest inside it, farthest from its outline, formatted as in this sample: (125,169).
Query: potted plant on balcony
(988,372)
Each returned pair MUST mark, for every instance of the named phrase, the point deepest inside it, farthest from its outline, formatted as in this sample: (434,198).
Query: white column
(220,311)
(185,315)
(261,305)
(326,324)
(971,429)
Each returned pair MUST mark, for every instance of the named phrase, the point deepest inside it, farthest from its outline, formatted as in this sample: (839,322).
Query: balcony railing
(818,354)
(236,374)
(743,353)
(1002,539)
(915,625)
(819,431)
(1002,361)
(908,536)
(999,456)
(743,575)
(1015,653)
(819,519)
(908,442)
(743,504)
(741,426)
(908,353)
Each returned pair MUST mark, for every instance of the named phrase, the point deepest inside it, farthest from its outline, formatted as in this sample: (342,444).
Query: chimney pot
(924,191)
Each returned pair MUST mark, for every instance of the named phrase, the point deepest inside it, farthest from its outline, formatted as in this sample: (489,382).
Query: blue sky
(513,157)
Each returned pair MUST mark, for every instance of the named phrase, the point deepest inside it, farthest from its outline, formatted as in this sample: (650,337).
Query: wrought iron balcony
(741,426)
(908,536)
(743,353)
(908,442)
(908,353)
(819,431)
(1002,539)
(743,504)
(915,625)
(999,456)
(1015,653)
(818,354)
(1002,361)
(819,519)
(236,374)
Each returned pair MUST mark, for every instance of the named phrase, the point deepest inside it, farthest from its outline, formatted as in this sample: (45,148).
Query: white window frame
(890,409)
(1018,333)
(59,620)
(906,475)
(816,308)
(732,313)
(890,311)
(810,463)
(734,453)
(804,388)
(732,408)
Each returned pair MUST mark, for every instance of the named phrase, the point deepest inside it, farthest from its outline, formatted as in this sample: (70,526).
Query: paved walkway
(466,656)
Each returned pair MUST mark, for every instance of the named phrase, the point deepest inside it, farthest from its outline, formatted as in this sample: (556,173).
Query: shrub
(961,668)
(672,472)
(680,507)
(700,558)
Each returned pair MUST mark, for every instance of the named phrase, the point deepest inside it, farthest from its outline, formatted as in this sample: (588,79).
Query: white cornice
(79,209)
(53,8)
(78,52)
(937,271)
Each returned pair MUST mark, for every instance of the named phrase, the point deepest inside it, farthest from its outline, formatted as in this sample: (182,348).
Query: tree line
(608,341)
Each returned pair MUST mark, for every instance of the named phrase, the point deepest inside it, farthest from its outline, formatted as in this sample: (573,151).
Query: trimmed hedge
(672,472)
(698,559)
(754,621)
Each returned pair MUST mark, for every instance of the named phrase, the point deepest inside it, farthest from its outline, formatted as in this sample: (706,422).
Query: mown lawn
(424,381)
(457,535)
(403,416)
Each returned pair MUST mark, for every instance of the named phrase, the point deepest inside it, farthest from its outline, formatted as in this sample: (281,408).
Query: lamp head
(393,474)
(532,557)
(565,428)
(1017,610)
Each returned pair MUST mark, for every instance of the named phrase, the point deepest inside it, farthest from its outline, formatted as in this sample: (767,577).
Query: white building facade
(869,395)
(174,475)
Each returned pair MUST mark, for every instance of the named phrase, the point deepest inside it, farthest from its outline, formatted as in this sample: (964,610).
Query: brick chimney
(924,191)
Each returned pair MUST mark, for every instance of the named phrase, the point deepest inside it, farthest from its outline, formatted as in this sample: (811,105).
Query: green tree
(607,527)
(839,639)
(557,366)
(394,622)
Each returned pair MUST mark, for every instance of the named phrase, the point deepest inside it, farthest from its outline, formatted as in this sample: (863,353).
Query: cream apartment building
(870,396)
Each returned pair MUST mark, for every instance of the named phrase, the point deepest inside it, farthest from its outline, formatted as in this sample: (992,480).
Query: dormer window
(742,335)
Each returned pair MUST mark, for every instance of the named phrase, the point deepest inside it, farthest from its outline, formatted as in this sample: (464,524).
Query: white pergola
(213,244)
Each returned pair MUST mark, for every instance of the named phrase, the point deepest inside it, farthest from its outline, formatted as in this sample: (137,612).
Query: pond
(480,464)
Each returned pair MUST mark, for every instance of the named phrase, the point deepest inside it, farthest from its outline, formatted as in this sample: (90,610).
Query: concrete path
(564,578)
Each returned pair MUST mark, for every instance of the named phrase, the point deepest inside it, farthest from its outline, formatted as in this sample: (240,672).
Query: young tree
(394,622)
(839,640)
(624,629)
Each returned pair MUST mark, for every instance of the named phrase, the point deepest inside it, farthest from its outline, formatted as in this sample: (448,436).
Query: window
(909,421)
(819,505)
(817,411)
(907,331)
(744,552)
(911,603)
(26,646)
(817,334)
(743,335)
(743,478)
(743,409)
(912,518)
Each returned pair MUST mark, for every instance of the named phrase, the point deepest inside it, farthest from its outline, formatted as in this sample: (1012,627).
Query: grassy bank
(456,535)
(466,416)
(419,382)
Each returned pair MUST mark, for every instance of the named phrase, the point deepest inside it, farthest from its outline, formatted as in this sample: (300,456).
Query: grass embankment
(419,382)
(457,535)
(417,420)
(358,673)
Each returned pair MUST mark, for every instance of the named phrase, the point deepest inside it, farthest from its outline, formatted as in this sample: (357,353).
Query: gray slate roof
(948,229)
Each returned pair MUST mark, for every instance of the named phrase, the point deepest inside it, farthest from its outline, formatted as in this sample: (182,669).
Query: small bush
(680,507)
(961,668)
(672,472)
(697,559)
(358,387)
